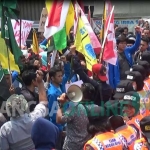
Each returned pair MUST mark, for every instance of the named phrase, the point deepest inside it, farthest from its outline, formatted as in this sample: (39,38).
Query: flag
(4,57)
(35,45)
(60,39)
(93,38)
(9,9)
(109,54)
(56,21)
(83,45)
(70,19)
(48,4)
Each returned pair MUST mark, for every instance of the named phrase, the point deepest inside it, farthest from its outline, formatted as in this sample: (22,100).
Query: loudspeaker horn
(74,93)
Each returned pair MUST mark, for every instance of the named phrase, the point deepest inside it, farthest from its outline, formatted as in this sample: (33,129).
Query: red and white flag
(56,18)
(110,50)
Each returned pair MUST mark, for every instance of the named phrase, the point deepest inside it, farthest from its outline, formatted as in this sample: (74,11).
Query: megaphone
(74,93)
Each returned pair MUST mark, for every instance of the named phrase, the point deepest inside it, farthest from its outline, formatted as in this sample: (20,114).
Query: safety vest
(135,123)
(127,135)
(104,141)
(140,144)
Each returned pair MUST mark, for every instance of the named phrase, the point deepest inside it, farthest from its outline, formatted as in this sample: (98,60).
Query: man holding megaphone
(76,116)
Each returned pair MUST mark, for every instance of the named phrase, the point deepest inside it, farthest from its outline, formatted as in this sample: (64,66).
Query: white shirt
(16,133)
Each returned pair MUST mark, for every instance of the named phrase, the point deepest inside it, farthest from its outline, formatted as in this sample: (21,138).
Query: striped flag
(110,50)
(56,18)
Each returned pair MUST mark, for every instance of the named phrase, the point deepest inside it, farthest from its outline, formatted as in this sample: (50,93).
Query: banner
(83,45)
(44,14)
(25,30)
(130,23)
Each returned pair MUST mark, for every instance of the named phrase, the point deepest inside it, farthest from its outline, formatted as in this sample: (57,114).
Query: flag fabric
(83,45)
(70,19)
(93,38)
(7,29)
(60,39)
(56,21)
(4,57)
(48,4)
(35,45)
(110,50)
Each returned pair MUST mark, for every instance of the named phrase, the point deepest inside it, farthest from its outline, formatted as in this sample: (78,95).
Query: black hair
(145,39)
(98,125)
(146,29)
(88,91)
(125,28)
(53,71)
(121,39)
(28,76)
(116,122)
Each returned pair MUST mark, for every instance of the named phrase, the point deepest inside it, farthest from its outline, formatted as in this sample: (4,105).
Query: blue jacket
(114,71)
(53,93)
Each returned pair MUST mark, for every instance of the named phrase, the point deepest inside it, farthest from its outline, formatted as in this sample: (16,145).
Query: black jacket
(103,91)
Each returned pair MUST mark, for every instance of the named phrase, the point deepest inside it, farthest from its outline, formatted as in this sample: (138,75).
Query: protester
(76,117)
(16,133)
(44,134)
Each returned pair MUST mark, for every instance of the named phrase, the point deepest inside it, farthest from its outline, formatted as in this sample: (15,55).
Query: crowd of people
(114,112)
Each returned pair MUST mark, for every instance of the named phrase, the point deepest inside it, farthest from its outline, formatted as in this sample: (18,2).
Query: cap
(137,77)
(131,98)
(123,87)
(145,127)
(16,105)
(138,68)
(146,56)
(100,70)
(146,65)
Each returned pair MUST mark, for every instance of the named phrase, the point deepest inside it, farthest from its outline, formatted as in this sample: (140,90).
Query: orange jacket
(135,123)
(127,135)
(140,144)
(105,141)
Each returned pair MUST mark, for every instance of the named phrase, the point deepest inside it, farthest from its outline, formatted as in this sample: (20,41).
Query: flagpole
(105,35)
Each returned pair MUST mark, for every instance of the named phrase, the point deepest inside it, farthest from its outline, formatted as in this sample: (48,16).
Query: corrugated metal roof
(30,9)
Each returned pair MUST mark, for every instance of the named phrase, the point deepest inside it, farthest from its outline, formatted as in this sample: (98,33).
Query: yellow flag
(48,4)
(35,45)
(70,18)
(83,45)
(4,58)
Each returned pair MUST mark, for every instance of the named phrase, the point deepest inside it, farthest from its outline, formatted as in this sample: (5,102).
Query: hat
(146,65)
(131,98)
(137,77)
(123,87)
(138,68)
(146,56)
(100,70)
(16,105)
(145,127)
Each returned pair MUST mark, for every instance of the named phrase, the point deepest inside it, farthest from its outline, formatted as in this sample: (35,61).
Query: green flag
(9,11)
(60,39)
